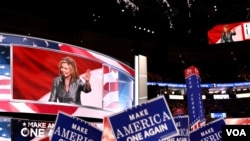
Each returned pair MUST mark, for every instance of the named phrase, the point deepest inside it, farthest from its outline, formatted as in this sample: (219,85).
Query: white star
(1,38)
(47,43)
(7,73)
(5,119)
(24,123)
(60,44)
(2,67)
(25,39)
(34,45)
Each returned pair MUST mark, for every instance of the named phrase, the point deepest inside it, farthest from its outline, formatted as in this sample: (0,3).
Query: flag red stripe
(6,106)
(111,86)
(51,109)
(4,91)
(5,82)
(80,51)
(105,69)
(128,69)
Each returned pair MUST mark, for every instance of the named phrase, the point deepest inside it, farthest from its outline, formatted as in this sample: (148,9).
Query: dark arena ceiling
(171,34)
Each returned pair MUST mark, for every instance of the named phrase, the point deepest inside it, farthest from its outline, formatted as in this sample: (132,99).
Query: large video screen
(34,70)
(229,32)
(40,76)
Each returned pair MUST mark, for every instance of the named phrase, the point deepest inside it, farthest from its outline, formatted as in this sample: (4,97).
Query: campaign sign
(210,132)
(70,128)
(194,97)
(149,121)
(182,123)
(26,129)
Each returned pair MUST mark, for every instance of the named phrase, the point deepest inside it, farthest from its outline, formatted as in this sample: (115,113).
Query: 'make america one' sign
(146,122)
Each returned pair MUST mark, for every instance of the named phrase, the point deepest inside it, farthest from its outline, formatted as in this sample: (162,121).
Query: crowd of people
(234,108)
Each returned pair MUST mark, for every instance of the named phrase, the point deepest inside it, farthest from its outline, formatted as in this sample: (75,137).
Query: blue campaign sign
(150,121)
(210,132)
(194,97)
(69,128)
(182,123)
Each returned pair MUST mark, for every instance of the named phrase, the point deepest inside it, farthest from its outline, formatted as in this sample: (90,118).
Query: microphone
(63,76)
(63,79)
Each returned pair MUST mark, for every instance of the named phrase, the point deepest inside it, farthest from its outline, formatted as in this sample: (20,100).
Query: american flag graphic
(5,81)
(40,58)
(5,129)
(195,126)
(110,88)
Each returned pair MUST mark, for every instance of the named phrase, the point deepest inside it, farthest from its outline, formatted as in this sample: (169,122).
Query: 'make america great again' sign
(70,128)
(150,121)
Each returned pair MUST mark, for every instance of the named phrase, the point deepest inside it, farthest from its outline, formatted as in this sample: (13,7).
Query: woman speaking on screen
(227,34)
(67,87)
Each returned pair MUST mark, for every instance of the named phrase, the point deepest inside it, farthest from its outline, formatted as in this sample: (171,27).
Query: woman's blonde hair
(72,65)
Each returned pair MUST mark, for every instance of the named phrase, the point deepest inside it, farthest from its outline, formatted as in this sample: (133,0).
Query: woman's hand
(86,76)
